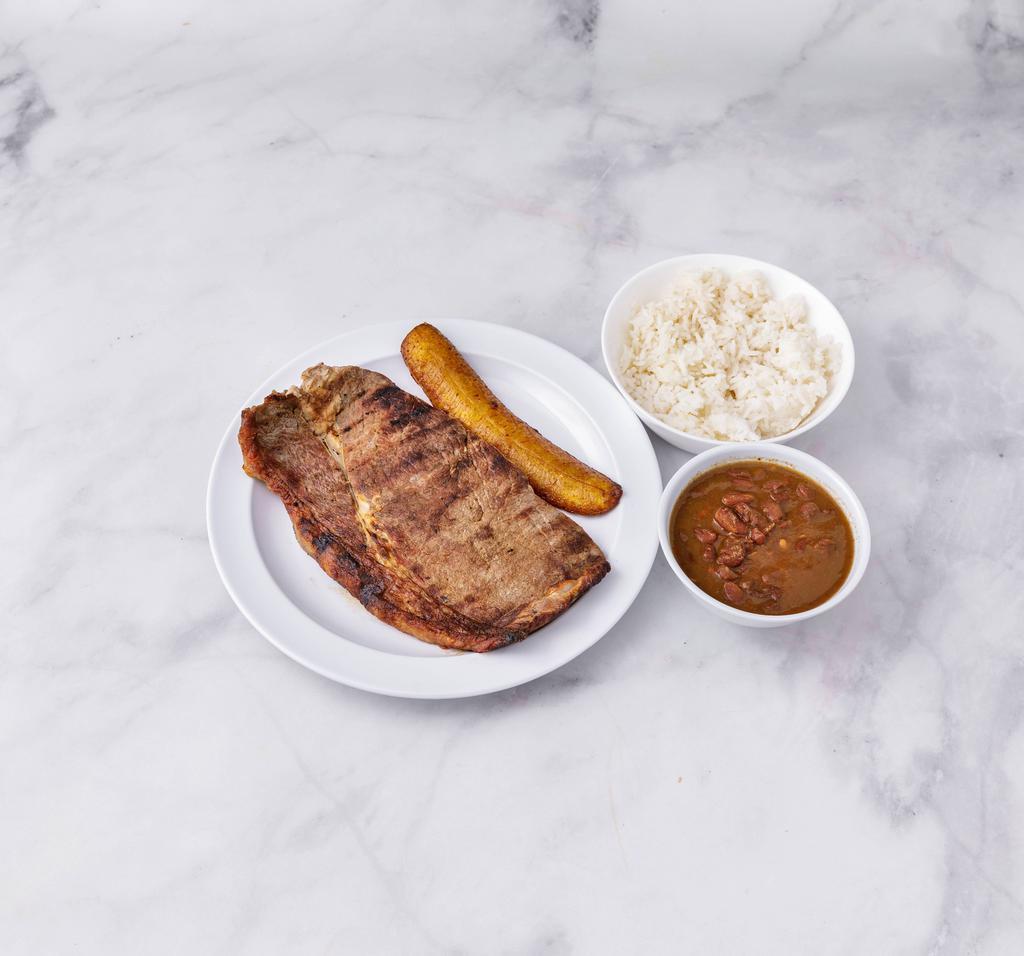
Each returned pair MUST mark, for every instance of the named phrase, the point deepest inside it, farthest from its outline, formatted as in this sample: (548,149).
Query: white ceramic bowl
(802,462)
(655,282)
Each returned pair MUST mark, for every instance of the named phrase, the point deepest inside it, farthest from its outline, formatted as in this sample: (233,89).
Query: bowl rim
(835,396)
(785,455)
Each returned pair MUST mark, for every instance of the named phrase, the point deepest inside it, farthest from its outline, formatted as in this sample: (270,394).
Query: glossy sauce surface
(762,537)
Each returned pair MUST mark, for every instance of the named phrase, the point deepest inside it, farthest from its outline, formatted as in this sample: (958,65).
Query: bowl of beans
(764,534)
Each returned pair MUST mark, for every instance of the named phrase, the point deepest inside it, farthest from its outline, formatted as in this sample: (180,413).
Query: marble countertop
(195,192)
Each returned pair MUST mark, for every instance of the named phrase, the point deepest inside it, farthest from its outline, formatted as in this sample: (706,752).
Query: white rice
(721,358)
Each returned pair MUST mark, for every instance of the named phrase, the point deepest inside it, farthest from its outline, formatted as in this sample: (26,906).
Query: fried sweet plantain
(454,387)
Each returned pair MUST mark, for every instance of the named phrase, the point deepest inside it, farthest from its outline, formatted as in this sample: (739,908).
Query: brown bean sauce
(762,538)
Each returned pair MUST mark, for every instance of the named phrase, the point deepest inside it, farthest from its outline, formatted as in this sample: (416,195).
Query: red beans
(727,520)
(732,592)
(737,497)
(751,515)
(808,509)
(761,538)
(732,554)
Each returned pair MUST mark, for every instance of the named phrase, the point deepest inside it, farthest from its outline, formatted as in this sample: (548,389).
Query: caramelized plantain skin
(451,385)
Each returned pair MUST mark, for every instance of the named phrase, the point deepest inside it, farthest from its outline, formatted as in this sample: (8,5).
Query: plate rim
(642,568)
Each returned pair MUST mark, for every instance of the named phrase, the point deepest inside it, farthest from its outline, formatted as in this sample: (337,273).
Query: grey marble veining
(191,194)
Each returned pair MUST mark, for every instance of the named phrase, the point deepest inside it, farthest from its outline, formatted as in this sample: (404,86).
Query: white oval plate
(299,609)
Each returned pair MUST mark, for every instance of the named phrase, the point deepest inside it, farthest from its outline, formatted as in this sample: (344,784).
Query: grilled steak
(433,530)
(281,450)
